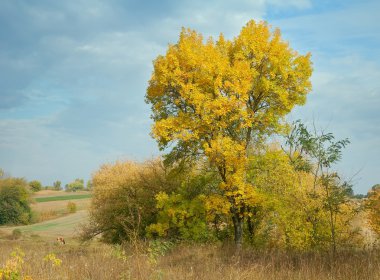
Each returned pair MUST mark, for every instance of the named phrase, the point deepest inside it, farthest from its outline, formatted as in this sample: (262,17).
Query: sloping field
(50,205)
(66,227)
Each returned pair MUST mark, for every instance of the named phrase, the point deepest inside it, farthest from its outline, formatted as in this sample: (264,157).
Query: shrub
(123,202)
(16,234)
(14,201)
(71,207)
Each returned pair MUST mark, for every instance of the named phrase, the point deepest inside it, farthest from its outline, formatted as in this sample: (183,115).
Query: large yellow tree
(211,98)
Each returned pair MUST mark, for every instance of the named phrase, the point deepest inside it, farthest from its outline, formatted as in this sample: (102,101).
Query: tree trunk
(252,223)
(251,228)
(238,230)
(332,226)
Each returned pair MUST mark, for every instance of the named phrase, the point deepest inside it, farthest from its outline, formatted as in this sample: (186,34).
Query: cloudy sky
(73,76)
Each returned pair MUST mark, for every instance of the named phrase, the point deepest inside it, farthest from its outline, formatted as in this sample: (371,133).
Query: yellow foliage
(185,217)
(216,205)
(272,172)
(52,259)
(13,266)
(292,214)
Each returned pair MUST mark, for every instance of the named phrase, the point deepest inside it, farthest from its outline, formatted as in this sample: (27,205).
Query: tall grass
(136,261)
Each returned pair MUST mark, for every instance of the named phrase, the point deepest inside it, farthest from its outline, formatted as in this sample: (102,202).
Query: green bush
(14,201)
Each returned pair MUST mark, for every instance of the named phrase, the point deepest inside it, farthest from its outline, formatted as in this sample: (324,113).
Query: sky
(73,76)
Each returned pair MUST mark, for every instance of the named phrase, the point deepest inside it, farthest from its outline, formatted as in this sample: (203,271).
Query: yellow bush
(52,259)
(13,266)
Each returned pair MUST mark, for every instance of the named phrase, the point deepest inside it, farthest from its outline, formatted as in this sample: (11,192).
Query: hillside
(66,227)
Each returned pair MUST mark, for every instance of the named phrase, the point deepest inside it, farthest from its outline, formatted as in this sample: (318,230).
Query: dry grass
(99,261)
(222,263)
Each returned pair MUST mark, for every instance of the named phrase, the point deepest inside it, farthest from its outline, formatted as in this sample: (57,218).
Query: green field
(67,226)
(62,197)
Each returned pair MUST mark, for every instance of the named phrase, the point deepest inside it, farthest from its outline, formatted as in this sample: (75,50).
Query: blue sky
(74,75)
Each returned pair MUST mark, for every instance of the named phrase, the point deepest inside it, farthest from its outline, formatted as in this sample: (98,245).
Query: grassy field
(63,197)
(50,204)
